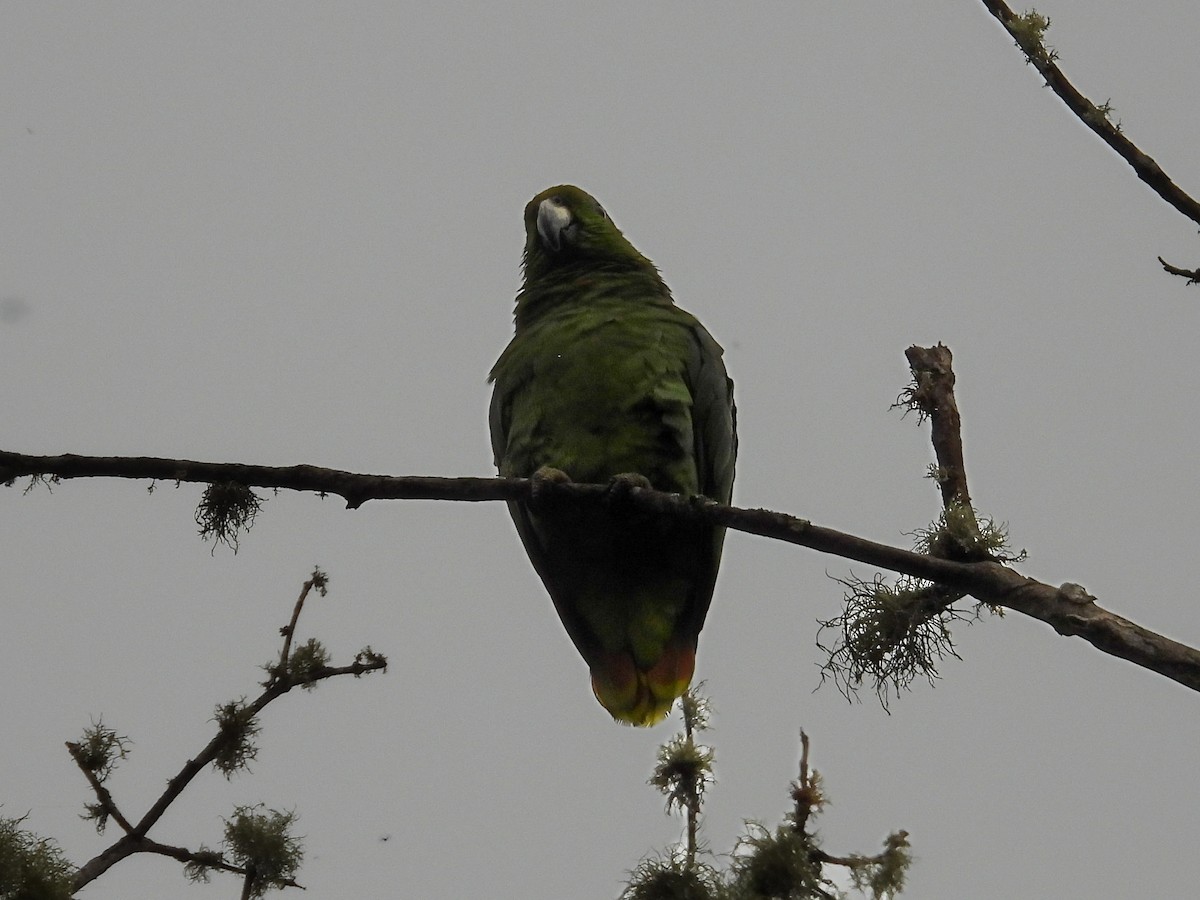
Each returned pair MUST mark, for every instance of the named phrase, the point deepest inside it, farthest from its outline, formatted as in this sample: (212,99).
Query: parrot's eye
(600,209)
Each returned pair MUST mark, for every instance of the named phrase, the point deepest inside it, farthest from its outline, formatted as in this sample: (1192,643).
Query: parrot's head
(566,225)
(574,253)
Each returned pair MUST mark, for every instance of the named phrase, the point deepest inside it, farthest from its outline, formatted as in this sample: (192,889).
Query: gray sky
(291,233)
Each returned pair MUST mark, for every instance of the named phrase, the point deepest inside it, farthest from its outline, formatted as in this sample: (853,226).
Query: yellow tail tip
(643,697)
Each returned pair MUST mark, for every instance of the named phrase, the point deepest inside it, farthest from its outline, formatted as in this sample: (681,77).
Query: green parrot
(606,380)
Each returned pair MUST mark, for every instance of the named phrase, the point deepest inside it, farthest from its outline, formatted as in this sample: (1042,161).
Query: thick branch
(130,845)
(932,394)
(1064,609)
(355,488)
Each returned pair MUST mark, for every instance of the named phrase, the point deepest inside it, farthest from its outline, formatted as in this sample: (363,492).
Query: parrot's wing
(498,420)
(714,429)
(714,417)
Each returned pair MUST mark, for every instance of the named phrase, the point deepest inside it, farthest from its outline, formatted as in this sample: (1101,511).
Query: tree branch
(130,845)
(808,799)
(1093,116)
(1069,609)
(107,804)
(289,630)
(1028,30)
(280,682)
(932,395)
(1192,275)
(356,489)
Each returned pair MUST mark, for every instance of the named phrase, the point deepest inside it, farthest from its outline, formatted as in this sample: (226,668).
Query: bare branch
(135,839)
(807,797)
(932,395)
(1192,275)
(107,804)
(1094,116)
(989,582)
(207,859)
(319,580)
(883,872)
(354,488)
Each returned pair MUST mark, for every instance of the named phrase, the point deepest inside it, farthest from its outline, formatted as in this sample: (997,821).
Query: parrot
(607,381)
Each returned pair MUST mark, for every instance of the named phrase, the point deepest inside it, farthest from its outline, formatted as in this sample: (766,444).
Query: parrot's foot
(620,489)
(544,476)
(624,482)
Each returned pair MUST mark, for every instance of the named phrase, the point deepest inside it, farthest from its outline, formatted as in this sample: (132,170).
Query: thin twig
(1192,275)
(806,794)
(692,812)
(803,796)
(135,840)
(102,794)
(289,630)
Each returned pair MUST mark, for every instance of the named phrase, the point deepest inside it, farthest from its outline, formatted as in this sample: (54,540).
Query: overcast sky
(291,233)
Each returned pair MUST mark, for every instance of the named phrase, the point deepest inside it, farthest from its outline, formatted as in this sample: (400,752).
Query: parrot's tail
(643,696)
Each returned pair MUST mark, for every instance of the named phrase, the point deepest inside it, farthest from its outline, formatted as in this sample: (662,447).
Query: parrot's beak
(553,220)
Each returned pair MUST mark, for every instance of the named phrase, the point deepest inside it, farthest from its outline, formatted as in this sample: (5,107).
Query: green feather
(605,376)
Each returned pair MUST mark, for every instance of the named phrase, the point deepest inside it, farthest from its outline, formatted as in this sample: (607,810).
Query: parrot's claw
(544,476)
(622,483)
(627,480)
